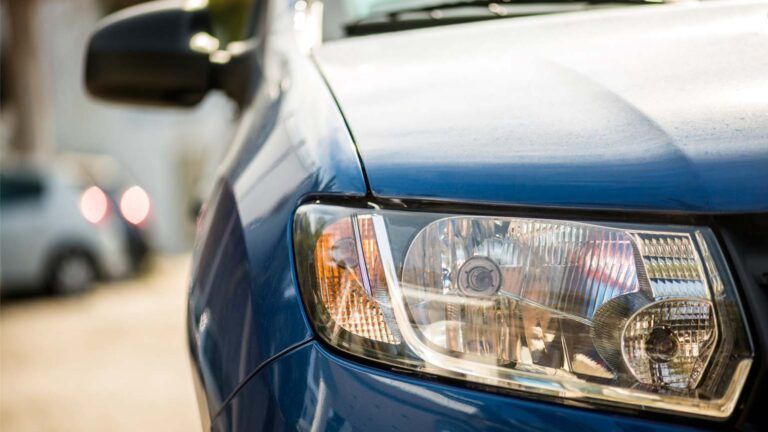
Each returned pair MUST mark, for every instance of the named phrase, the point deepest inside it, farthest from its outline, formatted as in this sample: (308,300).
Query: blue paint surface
(632,108)
(574,111)
(244,305)
(311,389)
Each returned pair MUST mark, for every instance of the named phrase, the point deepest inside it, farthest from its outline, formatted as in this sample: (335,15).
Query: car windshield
(344,18)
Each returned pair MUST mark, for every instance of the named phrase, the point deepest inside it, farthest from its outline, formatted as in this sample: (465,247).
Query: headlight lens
(630,315)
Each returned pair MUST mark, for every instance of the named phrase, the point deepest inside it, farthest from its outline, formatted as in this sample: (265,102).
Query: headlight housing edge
(377,313)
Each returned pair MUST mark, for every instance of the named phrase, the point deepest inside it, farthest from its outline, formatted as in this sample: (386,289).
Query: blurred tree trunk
(28,82)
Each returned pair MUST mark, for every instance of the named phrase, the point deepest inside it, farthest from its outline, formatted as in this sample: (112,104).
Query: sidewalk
(114,359)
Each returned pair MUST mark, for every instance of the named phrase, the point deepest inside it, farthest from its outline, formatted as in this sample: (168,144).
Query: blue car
(471,215)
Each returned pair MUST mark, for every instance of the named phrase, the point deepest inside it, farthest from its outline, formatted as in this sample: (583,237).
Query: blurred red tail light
(135,205)
(94,204)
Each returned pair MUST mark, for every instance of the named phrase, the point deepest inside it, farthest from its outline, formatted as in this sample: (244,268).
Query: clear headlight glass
(642,316)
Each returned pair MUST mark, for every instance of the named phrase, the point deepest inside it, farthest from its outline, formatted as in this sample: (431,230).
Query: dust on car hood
(651,107)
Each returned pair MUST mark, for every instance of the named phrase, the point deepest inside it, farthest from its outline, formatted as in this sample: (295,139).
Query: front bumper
(311,388)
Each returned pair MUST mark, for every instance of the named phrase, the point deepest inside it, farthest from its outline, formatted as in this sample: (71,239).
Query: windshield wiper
(456,12)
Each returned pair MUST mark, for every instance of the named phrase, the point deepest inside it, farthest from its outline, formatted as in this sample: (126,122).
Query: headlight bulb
(661,345)
(668,343)
(479,276)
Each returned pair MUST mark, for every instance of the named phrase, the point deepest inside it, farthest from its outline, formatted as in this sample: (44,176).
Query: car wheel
(73,273)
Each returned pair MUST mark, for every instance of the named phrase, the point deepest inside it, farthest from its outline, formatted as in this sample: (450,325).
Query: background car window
(14,189)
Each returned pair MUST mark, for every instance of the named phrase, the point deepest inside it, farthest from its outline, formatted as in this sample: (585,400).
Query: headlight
(642,316)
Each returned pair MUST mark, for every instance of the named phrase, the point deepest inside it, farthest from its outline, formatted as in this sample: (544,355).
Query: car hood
(653,107)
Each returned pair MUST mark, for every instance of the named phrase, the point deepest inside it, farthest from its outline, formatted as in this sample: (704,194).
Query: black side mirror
(144,54)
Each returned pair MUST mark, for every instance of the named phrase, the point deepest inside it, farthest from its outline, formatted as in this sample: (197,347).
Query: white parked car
(57,231)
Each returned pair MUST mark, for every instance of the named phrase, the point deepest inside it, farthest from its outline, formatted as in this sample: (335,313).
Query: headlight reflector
(345,290)
(669,343)
(630,315)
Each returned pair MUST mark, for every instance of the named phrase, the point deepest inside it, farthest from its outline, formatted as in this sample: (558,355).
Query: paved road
(111,360)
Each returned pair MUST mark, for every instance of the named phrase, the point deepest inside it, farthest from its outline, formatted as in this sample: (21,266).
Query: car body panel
(460,114)
(656,108)
(312,389)
(244,306)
